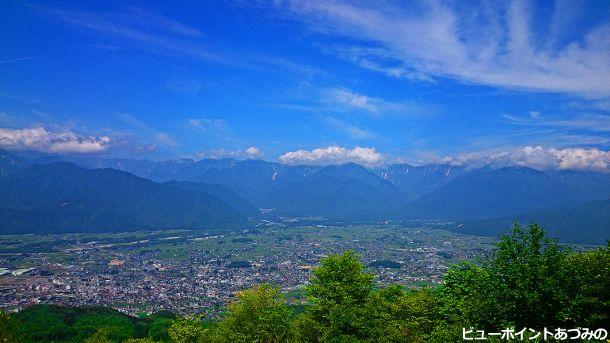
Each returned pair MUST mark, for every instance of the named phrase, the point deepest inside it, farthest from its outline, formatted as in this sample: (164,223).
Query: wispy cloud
(544,136)
(345,99)
(166,139)
(589,122)
(351,130)
(208,124)
(273,63)
(16,59)
(137,128)
(440,40)
(596,105)
(135,28)
(379,60)
(214,130)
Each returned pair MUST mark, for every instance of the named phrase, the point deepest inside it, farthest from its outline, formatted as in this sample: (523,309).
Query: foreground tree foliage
(260,314)
(50,323)
(529,281)
(339,292)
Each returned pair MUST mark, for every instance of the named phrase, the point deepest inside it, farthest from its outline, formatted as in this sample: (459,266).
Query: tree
(520,285)
(186,330)
(100,336)
(38,324)
(525,274)
(464,301)
(259,314)
(586,280)
(102,327)
(384,315)
(6,328)
(339,291)
(140,340)
(158,328)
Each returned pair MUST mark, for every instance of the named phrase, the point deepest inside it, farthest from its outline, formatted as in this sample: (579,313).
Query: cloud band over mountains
(537,157)
(334,155)
(40,139)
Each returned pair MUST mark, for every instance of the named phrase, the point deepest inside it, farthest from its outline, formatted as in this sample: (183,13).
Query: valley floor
(199,272)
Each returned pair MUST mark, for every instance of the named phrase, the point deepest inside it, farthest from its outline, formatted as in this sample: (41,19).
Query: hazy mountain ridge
(416,181)
(11,163)
(587,223)
(104,199)
(489,192)
(337,192)
(589,186)
(223,193)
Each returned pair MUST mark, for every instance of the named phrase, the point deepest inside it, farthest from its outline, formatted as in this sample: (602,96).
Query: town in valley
(198,272)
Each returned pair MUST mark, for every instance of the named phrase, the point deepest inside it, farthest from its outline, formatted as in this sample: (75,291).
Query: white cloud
(254,152)
(334,155)
(531,156)
(538,157)
(576,158)
(442,40)
(58,142)
(568,158)
(249,153)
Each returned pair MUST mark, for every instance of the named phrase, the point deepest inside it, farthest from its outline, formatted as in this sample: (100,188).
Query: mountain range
(42,194)
(588,223)
(491,192)
(63,197)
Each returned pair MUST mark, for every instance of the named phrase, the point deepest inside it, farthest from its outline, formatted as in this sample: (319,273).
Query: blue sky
(309,81)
